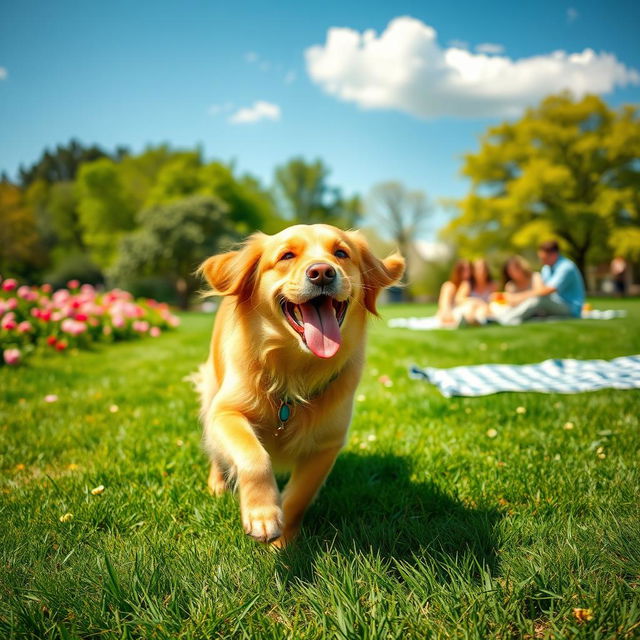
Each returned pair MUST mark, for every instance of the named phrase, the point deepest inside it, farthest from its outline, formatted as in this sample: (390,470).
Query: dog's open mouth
(318,322)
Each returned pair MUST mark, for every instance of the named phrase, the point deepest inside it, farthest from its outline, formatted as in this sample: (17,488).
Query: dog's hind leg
(216,481)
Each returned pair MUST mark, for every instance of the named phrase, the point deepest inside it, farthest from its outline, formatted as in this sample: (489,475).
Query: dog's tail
(204,385)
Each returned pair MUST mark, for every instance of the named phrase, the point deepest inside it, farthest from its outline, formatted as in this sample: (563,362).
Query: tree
(21,251)
(567,169)
(172,240)
(306,197)
(62,164)
(249,207)
(402,214)
(104,208)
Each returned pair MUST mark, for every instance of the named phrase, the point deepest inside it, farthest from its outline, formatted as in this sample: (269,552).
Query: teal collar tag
(284,413)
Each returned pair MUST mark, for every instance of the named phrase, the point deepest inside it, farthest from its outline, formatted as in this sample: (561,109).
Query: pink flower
(45,288)
(8,323)
(73,284)
(154,332)
(173,321)
(73,327)
(3,307)
(12,303)
(12,356)
(9,284)
(26,293)
(25,327)
(81,317)
(52,397)
(118,322)
(141,326)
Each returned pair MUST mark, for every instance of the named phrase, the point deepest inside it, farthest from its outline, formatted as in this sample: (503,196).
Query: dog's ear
(376,274)
(234,273)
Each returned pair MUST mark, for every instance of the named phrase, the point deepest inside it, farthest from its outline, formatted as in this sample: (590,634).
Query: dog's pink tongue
(321,330)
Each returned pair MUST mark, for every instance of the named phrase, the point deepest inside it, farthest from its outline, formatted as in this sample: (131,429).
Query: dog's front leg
(306,479)
(231,432)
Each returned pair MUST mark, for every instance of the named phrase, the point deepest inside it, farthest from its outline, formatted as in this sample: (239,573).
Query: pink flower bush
(9,284)
(38,318)
(12,356)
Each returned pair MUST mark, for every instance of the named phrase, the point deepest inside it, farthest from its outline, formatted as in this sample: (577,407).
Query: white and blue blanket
(550,376)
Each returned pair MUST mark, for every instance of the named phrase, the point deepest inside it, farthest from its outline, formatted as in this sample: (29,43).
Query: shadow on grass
(372,504)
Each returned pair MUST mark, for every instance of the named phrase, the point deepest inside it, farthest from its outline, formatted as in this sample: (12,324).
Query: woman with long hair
(475,309)
(454,291)
(518,275)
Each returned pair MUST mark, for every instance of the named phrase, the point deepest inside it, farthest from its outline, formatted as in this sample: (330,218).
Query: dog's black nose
(321,274)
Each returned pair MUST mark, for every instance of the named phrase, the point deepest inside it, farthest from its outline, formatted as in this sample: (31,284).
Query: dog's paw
(263,523)
(287,537)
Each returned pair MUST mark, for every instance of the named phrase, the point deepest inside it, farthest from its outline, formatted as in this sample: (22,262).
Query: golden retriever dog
(286,356)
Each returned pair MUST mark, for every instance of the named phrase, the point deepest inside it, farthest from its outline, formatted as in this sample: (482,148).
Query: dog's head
(307,280)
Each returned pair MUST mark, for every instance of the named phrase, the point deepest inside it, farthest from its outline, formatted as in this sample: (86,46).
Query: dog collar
(285,410)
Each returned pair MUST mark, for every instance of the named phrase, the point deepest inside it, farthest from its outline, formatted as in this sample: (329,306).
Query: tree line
(146,220)
(567,169)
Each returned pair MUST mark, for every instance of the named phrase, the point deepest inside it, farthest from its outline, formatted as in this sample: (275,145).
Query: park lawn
(427,526)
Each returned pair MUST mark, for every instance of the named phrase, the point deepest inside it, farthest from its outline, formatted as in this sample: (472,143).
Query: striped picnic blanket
(429,323)
(550,376)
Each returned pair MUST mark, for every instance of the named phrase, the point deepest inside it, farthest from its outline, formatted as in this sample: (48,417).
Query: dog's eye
(287,256)
(341,253)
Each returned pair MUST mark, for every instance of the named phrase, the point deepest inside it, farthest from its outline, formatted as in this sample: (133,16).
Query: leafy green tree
(172,240)
(249,207)
(402,215)
(62,164)
(105,211)
(307,198)
(567,169)
(21,251)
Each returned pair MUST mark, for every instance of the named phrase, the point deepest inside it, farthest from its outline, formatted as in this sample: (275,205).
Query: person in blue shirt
(560,294)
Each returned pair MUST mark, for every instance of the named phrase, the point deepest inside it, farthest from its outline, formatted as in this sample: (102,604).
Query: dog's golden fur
(258,360)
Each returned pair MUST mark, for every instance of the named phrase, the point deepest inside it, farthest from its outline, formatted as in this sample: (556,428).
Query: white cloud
(260,110)
(290,77)
(405,68)
(3,73)
(572,15)
(489,48)
(251,56)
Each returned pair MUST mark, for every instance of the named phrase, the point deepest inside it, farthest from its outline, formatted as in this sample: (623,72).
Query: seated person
(518,276)
(454,291)
(475,309)
(561,293)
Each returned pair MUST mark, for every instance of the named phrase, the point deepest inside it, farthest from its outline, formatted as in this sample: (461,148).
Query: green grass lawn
(427,526)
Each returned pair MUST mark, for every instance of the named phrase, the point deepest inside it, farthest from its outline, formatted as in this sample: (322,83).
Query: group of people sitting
(471,295)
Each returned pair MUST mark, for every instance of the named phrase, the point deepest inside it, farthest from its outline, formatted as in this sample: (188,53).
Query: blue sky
(179,72)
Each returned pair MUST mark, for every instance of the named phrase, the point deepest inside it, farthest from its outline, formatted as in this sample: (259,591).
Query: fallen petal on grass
(492,433)
(67,517)
(52,397)
(98,490)
(583,615)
